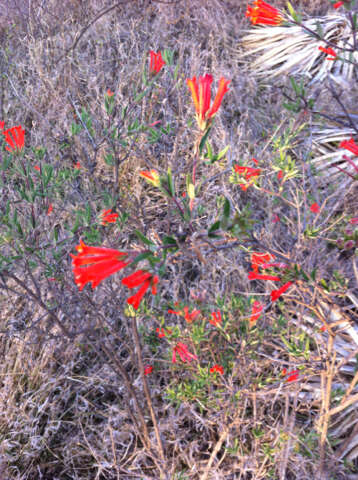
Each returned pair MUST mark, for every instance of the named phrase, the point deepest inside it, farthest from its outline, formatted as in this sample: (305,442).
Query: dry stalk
(326,382)
(146,388)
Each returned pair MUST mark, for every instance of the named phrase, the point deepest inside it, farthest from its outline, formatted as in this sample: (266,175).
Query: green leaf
(170,241)
(223,152)
(141,256)
(143,238)
(171,183)
(214,227)
(168,56)
(203,140)
(209,151)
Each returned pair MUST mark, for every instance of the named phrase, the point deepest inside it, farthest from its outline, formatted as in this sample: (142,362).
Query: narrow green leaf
(171,183)
(143,238)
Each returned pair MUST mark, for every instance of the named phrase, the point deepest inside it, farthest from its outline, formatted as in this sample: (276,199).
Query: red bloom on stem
(292,376)
(156,62)
(257,308)
(328,51)
(338,4)
(190,317)
(160,332)
(94,264)
(217,368)
(50,208)
(2,125)
(108,217)
(148,369)
(276,294)
(248,173)
(15,141)
(182,350)
(152,176)
(349,145)
(275,218)
(258,258)
(280,175)
(201,94)
(143,279)
(216,320)
(314,208)
(259,276)
(110,93)
(264,14)
(36,167)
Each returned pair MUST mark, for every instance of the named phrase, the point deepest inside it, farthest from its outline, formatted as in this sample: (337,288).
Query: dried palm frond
(290,49)
(327,157)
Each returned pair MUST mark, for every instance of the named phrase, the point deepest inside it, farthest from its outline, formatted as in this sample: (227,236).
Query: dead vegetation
(67,411)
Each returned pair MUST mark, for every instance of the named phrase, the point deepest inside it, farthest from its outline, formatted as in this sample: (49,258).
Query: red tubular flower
(259,276)
(258,258)
(151,176)
(148,369)
(257,308)
(190,317)
(328,51)
(160,332)
(15,141)
(182,350)
(94,264)
(276,294)
(201,94)
(108,217)
(217,368)
(338,4)
(264,14)
(156,62)
(292,376)
(2,125)
(314,208)
(216,320)
(143,278)
(280,175)
(349,145)
(110,93)
(248,173)
(50,208)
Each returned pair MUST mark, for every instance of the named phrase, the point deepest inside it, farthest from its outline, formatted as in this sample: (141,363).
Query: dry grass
(66,413)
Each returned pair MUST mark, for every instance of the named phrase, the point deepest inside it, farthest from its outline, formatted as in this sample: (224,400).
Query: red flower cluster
(338,4)
(156,62)
(15,141)
(349,145)
(182,350)
(94,264)
(148,369)
(250,175)
(328,51)
(108,217)
(218,369)
(201,94)
(314,208)
(257,308)
(257,259)
(263,13)
(144,280)
(216,320)
(189,316)
(292,376)
(276,294)
(260,260)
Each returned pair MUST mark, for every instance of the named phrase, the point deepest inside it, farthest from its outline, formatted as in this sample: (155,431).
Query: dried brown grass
(64,411)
